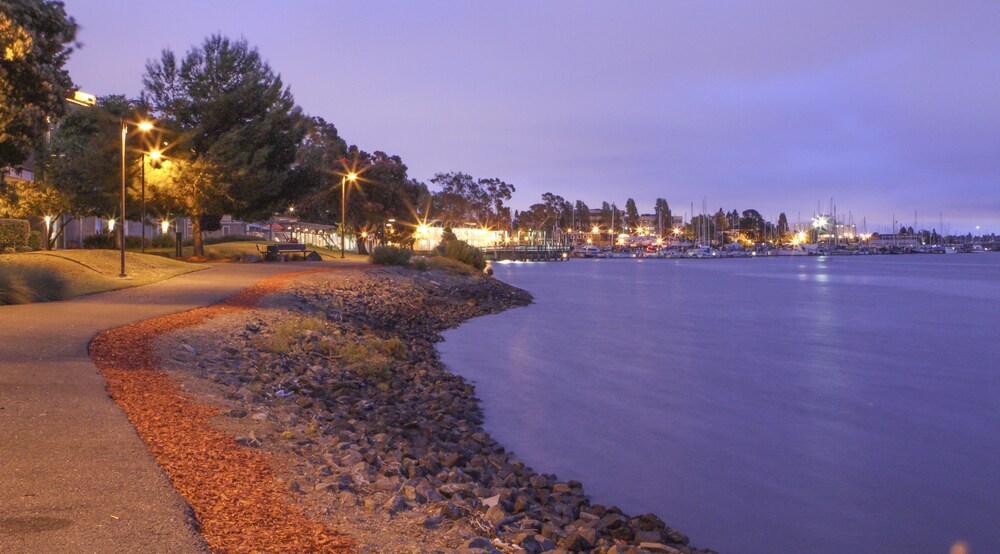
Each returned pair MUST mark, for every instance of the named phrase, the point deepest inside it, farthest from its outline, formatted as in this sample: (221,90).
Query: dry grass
(63,274)
(451,267)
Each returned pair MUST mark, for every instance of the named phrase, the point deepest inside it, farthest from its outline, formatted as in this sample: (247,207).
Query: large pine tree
(237,128)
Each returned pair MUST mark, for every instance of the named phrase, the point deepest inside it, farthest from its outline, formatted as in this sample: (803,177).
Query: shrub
(420,263)
(99,241)
(23,285)
(390,255)
(288,336)
(14,232)
(106,241)
(373,358)
(160,241)
(461,251)
(451,267)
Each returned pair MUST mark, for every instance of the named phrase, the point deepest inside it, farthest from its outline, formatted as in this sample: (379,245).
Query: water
(795,404)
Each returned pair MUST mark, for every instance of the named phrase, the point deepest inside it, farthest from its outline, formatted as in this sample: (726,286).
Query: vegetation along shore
(337,377)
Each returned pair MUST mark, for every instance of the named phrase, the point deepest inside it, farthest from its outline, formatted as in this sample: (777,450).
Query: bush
(461,251)
(390,255)
(106,241)
(23,285)
(420,263)
(160,241)
(14,232)
(451,267)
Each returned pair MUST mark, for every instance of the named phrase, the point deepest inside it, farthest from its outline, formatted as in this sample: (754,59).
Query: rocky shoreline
(339,380)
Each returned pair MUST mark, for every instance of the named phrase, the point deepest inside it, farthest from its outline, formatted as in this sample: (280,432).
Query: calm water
(773,405)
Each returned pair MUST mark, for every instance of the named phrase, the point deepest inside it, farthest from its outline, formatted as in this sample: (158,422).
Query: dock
(527,252)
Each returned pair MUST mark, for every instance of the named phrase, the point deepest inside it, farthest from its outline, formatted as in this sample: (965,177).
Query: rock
(431,522)
(675,536)
(563,488)
(397,504)
(327,487)
(495,515)
(580,540)
(250,258)
(481,543)
(659,548)
(491,501)
(648,536)
(248,440)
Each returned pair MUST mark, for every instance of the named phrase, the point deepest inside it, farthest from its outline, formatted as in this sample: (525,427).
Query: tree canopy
(466,199)
(237,130)
(35,43)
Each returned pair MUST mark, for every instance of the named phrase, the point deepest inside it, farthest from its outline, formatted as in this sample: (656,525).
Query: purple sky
(888,107)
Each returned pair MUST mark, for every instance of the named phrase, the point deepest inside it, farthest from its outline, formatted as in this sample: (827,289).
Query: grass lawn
(61,274)
(231,250)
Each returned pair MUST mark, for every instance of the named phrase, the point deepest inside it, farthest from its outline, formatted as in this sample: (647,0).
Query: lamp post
(343,210)
(143,126)
(48,232)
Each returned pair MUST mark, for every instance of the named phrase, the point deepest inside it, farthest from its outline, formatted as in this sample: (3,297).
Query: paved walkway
(74,475)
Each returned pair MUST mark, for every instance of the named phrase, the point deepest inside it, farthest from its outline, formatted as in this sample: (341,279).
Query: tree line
(233,142)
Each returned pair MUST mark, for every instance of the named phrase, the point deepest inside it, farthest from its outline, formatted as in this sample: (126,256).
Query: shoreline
(338,377)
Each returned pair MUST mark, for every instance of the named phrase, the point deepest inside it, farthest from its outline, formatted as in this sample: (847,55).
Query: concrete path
(74,475)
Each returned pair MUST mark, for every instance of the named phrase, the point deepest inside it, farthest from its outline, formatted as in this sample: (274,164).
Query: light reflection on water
(775,405)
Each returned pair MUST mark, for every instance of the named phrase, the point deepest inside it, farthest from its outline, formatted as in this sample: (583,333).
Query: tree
(83,160)
(557,210)
(238,131)
(582,216)
(606,215)
(34,39)
(465,199)
(318,160)
(721,224)
(783,230)
(384,192)
(664,219)
(752,225)
(631,215)
(700,227)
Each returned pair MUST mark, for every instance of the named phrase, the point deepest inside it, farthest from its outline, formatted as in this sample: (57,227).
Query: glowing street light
(343,209)
(164,226)
(142,126)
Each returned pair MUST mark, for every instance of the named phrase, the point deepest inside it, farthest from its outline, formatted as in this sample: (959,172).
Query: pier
(527,252)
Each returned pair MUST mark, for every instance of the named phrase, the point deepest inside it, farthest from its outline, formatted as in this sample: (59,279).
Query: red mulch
(230,487)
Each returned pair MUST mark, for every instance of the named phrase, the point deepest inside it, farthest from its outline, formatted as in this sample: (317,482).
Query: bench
(282,250)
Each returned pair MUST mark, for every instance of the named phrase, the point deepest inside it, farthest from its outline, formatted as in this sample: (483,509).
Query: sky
(889,108)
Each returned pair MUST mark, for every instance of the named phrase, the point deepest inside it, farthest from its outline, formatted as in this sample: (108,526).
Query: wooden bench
(274,252)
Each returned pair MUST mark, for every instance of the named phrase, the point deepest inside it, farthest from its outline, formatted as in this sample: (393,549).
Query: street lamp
(48,231)
(343,210)
(142,126)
